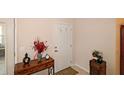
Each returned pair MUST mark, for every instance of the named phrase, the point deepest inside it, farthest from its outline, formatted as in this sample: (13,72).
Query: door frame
(121,47)
(15,41)
(10,38)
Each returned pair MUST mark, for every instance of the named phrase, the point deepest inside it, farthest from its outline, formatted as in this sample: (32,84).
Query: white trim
(6,48)
(82,68)
(72,64)
(15,41)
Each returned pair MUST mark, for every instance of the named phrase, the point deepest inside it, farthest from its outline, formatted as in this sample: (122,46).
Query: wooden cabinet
(34,66)
(97,68)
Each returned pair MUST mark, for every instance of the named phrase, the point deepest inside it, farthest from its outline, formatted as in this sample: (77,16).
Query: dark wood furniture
(122,50)
(97,68)
(34,66)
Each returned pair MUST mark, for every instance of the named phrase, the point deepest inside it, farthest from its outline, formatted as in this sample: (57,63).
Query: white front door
(6,46)
(62,48)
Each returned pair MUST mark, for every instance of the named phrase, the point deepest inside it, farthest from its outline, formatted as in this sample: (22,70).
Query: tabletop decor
(98,55)
(47,56)
(26,59)
(39,48)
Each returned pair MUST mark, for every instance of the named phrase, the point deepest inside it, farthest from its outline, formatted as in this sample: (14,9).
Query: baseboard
(72,64)
(82,68)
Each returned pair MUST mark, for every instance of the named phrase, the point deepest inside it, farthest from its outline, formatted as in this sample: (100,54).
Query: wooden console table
(34,66)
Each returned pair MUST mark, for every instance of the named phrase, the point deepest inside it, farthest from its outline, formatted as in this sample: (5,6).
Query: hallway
(2,66)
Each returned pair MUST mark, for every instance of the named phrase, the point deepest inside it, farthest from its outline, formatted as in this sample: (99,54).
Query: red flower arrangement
(39,47)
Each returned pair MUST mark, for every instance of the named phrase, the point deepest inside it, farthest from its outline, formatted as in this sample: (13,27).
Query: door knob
(55,47)
(55,50)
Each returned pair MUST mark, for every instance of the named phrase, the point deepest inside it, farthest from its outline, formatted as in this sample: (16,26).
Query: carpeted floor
(67,71)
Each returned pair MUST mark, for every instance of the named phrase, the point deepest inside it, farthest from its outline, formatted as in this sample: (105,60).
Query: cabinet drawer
(23,72)
(50,64)
(37,68)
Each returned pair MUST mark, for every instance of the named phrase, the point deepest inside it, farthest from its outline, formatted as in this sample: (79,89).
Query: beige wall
(29,29)
(89,34)
(98,34)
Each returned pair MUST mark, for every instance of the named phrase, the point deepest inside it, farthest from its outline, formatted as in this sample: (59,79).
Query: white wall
(98,34)
(29,29)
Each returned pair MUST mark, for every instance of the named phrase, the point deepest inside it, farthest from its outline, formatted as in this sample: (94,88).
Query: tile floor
(81,71)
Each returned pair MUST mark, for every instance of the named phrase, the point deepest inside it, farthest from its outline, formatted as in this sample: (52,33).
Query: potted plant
(39,48)
(98,55)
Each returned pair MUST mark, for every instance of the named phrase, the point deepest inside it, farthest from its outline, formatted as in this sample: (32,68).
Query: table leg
(48,71)
(53,70)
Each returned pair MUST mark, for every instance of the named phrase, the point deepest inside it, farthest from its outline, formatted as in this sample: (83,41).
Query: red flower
(39,46)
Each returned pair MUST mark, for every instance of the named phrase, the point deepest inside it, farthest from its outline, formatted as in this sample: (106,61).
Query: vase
(39,57)
(99,61)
